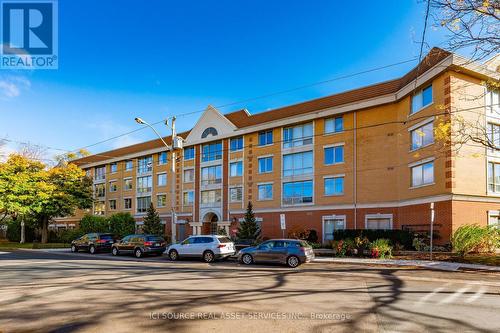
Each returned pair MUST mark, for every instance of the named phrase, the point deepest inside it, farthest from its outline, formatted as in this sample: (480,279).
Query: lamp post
(173,147)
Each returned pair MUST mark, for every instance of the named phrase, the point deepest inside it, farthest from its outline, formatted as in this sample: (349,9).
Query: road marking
(429,295)
(477,295)
(454,296)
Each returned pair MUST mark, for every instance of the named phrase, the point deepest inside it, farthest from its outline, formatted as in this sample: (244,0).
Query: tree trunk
(45,226)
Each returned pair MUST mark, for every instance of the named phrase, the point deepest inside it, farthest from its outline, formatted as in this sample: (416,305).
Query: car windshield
(155,239)
(106,237)
(224,240)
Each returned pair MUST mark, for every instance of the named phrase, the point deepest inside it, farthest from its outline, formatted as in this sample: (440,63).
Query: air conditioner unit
(178,143)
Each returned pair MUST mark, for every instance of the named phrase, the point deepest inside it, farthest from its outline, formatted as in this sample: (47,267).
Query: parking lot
(65,292)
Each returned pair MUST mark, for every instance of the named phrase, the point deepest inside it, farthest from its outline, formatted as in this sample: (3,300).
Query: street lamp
(173,147)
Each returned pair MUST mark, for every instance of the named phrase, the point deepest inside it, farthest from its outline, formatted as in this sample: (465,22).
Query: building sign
(282,221)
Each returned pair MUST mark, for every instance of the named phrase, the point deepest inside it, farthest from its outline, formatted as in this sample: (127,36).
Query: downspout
(355,173)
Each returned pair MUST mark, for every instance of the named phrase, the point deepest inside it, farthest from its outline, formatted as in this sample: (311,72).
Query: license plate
(157,244)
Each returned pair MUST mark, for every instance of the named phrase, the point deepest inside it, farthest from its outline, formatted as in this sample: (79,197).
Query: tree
(121,224)
(249,229)
(65,159)
(152,223)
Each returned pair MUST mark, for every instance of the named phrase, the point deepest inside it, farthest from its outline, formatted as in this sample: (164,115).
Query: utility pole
(432,229)
(172,189)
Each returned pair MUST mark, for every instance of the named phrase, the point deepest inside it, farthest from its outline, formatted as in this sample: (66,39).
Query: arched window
(210,131)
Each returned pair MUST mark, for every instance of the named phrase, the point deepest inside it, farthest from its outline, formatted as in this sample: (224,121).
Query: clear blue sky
(122,59)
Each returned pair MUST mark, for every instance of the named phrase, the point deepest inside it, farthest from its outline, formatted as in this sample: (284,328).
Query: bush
(403,237)
(472,238)
(14,231)
(121,224)
(93,223)
(381,248)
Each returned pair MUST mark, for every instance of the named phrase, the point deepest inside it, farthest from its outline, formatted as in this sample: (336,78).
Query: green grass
(15,245)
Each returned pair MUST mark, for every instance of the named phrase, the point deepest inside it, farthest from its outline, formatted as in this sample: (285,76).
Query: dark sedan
(93,243)
(139,245)
(291,252)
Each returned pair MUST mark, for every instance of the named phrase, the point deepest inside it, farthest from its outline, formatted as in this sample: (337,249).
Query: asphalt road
(53,292)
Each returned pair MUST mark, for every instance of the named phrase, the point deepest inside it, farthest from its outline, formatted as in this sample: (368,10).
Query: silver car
(291,252)
(207,247)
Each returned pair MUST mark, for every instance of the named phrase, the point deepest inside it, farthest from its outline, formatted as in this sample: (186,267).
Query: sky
(122,59)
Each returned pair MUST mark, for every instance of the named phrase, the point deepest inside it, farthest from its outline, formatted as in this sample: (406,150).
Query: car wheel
(92,249)
(208,256)
(138,253)
(173,255)
(292,261)
(74,249)
(114,251)
(247,259)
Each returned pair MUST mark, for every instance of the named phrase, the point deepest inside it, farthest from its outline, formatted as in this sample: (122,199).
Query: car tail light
(221,245)
(148,243)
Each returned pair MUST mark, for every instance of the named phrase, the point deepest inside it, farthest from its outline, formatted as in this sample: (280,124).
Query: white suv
(208,247)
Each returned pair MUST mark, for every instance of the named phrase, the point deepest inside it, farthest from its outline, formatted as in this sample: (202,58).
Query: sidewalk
(438,265)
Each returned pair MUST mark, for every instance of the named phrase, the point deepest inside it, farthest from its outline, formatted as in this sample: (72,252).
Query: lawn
(15,245)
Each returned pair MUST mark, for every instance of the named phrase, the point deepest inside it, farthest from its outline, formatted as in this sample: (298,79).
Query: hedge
(403,237)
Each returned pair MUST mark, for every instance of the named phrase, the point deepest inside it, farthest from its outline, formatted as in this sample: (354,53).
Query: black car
(139,245)
(93,242)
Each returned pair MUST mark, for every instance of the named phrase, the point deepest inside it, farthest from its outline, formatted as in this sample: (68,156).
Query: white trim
(334,176)
(419,162)
(421,123)
(331,217)
(334,145)
(379,216)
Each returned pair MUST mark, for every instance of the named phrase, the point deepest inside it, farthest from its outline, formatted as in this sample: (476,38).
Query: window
(493,101)
(330,225)
(113,187)
(298,164)
(211,152)
(236,194)
(422,174)
(99,208)
(297,192)
(129,165)
(113,167)
(299,135)
(422,136)
(188,198)
(144,184)
(100,190)
(334,186)
(265,164)
(265,191)
(421,99)
(127,184)
(236,169)
(161,200)
(210,131)
(112,204)
(494,218)
(494,134)
(210,198)
(265,138)
(145,164)
(236,143)
(188,175)
(334,155)
(493,177)
(211,175)
(100,173)
(162,158)
(162,179)
(127,203)
(189,153)
(88,173)
(378,222)
(143,204)
(334,125)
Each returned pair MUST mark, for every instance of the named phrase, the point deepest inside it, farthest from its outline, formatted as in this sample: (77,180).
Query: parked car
(139,245)
(207,247)
(291,252)
(243,243)
(93,242)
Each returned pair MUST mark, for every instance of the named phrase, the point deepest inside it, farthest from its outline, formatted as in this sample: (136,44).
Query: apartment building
(362,159)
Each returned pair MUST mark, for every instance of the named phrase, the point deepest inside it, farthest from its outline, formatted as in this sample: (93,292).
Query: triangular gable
(210,118)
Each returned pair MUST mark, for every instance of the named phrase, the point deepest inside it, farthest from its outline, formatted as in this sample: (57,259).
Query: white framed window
(422,136)
(113,167)
(493,131)
(161,200)
(112,204)
(211,175)
(161,179)
(113,187)
(188,153)
(236,169)
(299,135)
(236,194)
(422,174)
(492,101)
(100,190)
(298,164)
(236,144)
(378,221)
(144,184)
(493,177)
(145,164)
(494,218)
(100,173)
(162,158)
(127,203)
(265,191)
(99,208)
(421,99)
(143,204)
(129,165)
(265,164)
(334,155)
(211,151)
(188,175)
(188,198)
(266,138)
(330,224)
(127,184)
(296,193)
(210,198)
(334,125)
(334,185)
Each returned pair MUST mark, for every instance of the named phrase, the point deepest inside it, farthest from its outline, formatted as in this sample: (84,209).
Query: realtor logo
(29,34)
